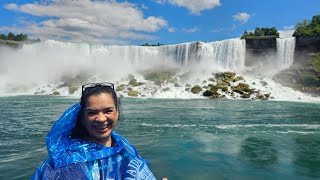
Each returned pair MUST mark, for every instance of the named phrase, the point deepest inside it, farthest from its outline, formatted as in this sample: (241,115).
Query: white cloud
(144,6)
(191,30)
(195,7)
(171,29)
(242,17)
(11,6)
(160,1)
(93,21)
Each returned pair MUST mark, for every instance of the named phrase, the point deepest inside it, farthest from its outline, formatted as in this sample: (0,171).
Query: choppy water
(182,139)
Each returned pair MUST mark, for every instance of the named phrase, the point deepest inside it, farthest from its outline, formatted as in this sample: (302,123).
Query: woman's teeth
(102,127)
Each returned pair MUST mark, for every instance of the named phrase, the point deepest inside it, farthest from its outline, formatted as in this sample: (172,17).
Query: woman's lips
(103,128)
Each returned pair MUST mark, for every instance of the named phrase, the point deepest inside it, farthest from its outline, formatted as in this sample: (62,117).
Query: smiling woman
(82,144)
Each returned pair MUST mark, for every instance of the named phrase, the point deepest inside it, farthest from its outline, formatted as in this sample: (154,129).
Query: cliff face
(260,50)
(306,46)
(304,74)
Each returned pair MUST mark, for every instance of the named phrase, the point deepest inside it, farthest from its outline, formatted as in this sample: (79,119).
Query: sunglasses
(92,85)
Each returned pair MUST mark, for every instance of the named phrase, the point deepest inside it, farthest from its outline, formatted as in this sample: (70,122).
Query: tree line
(13,37)
(304,28)
(308,27)
(261,33)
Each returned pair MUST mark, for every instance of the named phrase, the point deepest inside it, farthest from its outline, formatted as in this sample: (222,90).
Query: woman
(82,144)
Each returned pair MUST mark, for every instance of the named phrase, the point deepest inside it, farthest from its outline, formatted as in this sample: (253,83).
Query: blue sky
(153,21)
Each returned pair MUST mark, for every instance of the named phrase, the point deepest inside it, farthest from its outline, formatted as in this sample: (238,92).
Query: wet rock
(222,83)
(166,89)
(159,77)
(73,89)
(133,82)
(120,87)
(196,89)
(208,93)
(263,83)
(223,88)
(38,92)
(133,93)
(177,85)
(243,85)
(220,96)
(56,93)
(238,78)
(229,74)
(211,79)
(246,95)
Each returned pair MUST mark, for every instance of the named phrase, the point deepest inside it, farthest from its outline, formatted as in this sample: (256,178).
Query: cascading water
(169,71)
(229,54)
(285,52)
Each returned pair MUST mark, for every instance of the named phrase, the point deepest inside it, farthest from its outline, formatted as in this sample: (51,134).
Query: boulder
(223,88)
(243,85)
(229,74)
(263,83)
(245,95)
(238,78)
(133,82)
(133,93)
(196,89)
(208,93)
(56,93)
(166,89)
(177,85)
(211,79)
(73,89)
(120,87)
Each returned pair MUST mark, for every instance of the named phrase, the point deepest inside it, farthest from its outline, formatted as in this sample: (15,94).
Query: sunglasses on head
(92,85)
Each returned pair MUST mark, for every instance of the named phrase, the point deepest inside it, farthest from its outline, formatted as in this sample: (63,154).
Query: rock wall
(306,46)
(260,50)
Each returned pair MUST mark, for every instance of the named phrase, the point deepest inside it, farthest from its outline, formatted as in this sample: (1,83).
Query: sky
(134,22)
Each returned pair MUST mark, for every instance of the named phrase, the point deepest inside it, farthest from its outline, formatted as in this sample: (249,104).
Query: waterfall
(225,55)
(229,54)
(285,51)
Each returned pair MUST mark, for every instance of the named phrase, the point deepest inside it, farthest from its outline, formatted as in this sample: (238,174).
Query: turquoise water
(182,139)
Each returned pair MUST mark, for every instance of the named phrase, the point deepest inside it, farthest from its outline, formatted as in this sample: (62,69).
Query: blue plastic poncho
(70,158)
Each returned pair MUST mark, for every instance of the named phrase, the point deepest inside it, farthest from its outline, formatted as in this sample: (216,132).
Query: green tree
(308,28)
(3,37)
(261,32)
(11,36)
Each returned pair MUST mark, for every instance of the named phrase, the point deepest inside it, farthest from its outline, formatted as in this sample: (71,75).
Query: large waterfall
(53,67)
(285,51)
(227,54)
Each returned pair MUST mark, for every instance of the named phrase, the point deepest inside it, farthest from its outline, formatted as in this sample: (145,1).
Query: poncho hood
(64,150)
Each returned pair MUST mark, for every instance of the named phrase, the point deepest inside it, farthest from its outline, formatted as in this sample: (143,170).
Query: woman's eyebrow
(103,109)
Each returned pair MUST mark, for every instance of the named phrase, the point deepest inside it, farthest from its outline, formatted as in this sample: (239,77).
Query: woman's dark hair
(79,131)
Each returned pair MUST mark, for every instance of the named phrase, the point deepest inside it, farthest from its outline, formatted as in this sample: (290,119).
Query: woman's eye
(91,113)
(108,111)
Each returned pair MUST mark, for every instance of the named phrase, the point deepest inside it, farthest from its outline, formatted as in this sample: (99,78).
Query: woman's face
(100,117)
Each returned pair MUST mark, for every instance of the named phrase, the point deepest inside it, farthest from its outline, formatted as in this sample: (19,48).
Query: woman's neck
(105,142)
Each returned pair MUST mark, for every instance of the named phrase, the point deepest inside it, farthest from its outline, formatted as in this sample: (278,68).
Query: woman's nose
(101,117)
